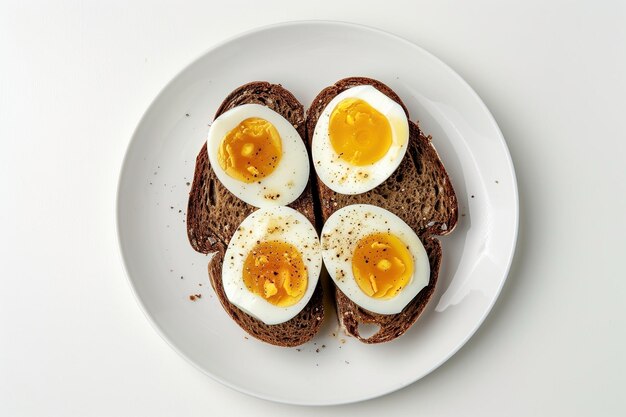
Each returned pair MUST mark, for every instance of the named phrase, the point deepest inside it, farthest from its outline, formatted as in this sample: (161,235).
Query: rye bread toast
(419,192)
(213,215)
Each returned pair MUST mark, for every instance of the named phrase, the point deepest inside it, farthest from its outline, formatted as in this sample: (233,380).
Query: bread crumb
(194,297)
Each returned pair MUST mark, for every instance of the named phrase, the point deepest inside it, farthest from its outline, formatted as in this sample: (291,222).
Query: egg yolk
(251,151)
(382,265)
(275,271)
(359,133)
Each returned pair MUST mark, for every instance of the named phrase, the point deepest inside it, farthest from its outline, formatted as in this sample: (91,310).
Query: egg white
(343,177)
(260,226)
(289,178)
(340,236)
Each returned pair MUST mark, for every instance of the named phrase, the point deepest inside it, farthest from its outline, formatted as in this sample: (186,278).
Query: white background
(75,78)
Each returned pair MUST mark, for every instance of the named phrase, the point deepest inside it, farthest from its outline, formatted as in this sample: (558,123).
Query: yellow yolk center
(359,133)
(382,265)
(251,151)
(275,271)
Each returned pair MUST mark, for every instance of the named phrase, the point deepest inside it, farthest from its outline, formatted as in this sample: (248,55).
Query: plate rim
(316,22)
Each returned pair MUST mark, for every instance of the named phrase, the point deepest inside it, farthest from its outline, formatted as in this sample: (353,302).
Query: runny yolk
(382,265)
(251,151)
(275,271)
(359,133)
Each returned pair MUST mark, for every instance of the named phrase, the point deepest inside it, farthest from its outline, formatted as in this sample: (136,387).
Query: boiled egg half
(374,258)
(359,140)
(258,155)
(272,264)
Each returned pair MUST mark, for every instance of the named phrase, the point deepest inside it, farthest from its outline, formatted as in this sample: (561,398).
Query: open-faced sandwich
(379,198)
(266,264)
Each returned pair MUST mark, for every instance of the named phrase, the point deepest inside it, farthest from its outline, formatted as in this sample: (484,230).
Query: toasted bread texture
(419,192)
(214,213)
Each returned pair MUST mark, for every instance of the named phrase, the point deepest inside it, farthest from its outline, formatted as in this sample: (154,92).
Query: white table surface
(75,78)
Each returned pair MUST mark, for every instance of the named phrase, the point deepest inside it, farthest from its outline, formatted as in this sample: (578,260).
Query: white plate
(305,57)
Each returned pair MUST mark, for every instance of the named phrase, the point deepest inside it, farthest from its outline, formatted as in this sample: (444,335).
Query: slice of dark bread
(214,213)
(419,192)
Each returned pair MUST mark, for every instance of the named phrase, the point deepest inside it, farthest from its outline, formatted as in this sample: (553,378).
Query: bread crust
(419,192)
(214,213)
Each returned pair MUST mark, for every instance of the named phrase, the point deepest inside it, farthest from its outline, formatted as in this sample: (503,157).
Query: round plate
(305,57)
